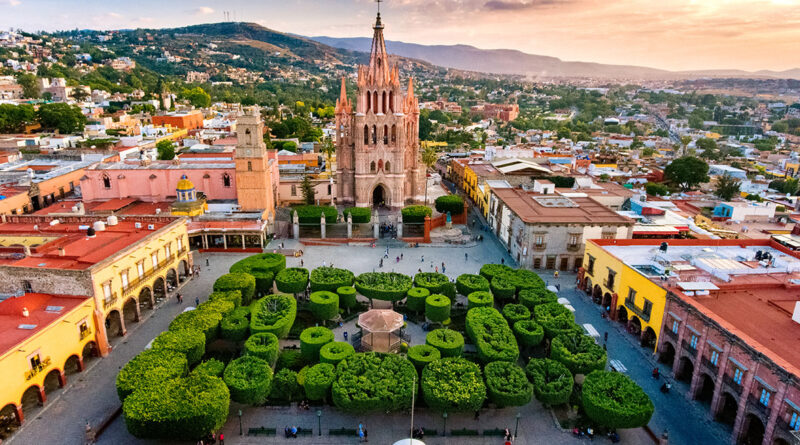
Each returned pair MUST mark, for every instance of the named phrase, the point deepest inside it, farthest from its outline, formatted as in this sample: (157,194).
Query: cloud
(203,10)
(10,2)
(515,5)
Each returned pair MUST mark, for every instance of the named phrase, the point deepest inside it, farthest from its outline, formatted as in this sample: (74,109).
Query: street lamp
(319,421)
(240,422)
(444,430)
(516,427)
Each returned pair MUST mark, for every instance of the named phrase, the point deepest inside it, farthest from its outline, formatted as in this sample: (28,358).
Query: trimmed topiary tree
(578,352)
(218,306)
(249,379)
(212,367)
(324,305)
(361,215)
(207,321)
(502,288)
(421,355)
(335,351)
(373,382)
(552,381)
(311,214)
(437,308)
(536,296)
(524,279)
(555,319)
(415,214)
(415,298)
(491,335)
(263,267)
(615,401)
(385,286)
(319,379)
(234,296)
(292,280)
(450,203)
(467,284)
(347,297)
(285,387)
(528,332)
(150,368)
(434,282)
(182,409)
(449,343)
(243,282)
(264,345)
(189,342)
(235,327)
(290,358)
(490,271)
(330,279)
(516,312)
(506,384)
(312,340)
(273,313)
(480,299)
(452,385)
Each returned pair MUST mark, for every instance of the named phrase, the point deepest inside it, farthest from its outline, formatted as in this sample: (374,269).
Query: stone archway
(380,196)
(587,286)
(597,294)
(172,278)
(9,422)
(622,315)
(146,300)
(130,311)
(73,365)
(648,338)
(753,431)
(667,354)
(32,401)
(115,325)
(706,390)
(159,289)
(90,352)
(685,370)
(53,381)
(728,410)
(607,302)
(635,326)
(183,270)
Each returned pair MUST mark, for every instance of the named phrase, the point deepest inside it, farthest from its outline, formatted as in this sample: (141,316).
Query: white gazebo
(379,327)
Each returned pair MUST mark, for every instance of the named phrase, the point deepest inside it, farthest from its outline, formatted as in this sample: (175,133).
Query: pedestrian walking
(366,435)
(422,259)
(197,301)
(555,274)
(401,255)
(180,298)
(345,335)
(466,255)
(221,438)
(605,336)
(437,269)
(443,269)
(502,261)
(324,263)
(206,262)
(301,262)
(381,263)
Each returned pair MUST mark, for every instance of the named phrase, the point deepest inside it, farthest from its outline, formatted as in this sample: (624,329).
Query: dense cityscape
(223,233)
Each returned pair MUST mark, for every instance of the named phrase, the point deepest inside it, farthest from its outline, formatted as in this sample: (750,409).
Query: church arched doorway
(379,196)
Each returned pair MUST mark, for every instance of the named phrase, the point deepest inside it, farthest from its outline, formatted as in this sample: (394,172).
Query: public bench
(494,432)
(305,431)
(261,431)
(463,432)
(342,432)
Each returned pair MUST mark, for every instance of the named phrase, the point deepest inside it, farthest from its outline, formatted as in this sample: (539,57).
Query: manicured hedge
(480,299)
(249,379)
(415,298)
(502,288)
(524,279)
(330,279)
(449,343)
(536,296)
(434,282)
(212,367)
(285,387)
(292,280)
(415,214)
(506,384)
(310,214)
(243,282)
(335,351)
(373,382)
(206,321)
(347,297)
(312,340)
(450,203)
(235,327)
(615,401)
(290,358)
(301,376)
(437,308)
(361,215)
(218,306)
(491,335)
(578,352)
(149,368)
(467,284)
(189,342)
(555,319)
(184,409)
(324,305)
(318,381)
(516,312)
(273,313)
(552,381)
(421,355)
(263,267)
(386,286)
(528,332)
(452,385)
(490,271)
(234,296)
(264,345)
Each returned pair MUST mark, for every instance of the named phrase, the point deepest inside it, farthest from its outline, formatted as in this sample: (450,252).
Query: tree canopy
(687,172)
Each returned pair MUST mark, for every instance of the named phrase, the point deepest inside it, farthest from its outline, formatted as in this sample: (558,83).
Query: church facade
(377,137)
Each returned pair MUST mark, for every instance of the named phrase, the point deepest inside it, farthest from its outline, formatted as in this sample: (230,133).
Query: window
(124,277)
(106,182)
(107,290)
(794,421)
(764,399)
(294,190)
(737,376)
(394,133)
(249,166)
(83,329)
(573,239)
(590,267)
(391,104)
(375,106)
(385,134)
(374,134)
(693,342)
(538,240)
(647,309)
(167,250)
(154,257)
(180,244)
(383,102)
(35,360)
(330,187)
(675,325)
(608,235)
(714,357)
(140,268)
(631,296)
(226,180)
(27,287)
(388,167)
(366,135)
(372,167)
(369,102)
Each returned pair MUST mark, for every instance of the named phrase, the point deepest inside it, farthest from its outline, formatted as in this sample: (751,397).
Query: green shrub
(301,376)
(264,345)
(234,296)
(361,215)
(249,379)
(285,387)
(149,368)
(449,343)
(524,279)
(310,214)
(453,385)
(491,335)
(183,409)
(234,327)
(330,279)
(273,313)
(552,381)
(437,308)
(467,284)
(218,306)
(516,312)
(335,351)
(415,298)
(347,297)
(434,282)
(480,299)
(415,214)
(292,280)
(240,312)
(263,267)
(490,271)
(212,367)
(450,203)
(502,288)
(615,401)
(528,332)
(536,296)
(421,355)
(449,291)
(324,305)
(206,321)
(385,286)
(506,384)
(578,352)
(243,282)
(290,359)
(373,382)
(319,379)
(189,342)
(555,319)
(312,340)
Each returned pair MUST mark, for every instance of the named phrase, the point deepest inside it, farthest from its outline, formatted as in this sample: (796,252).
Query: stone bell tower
(253,184)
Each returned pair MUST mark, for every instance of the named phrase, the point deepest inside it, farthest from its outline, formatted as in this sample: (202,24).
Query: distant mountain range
(508,61)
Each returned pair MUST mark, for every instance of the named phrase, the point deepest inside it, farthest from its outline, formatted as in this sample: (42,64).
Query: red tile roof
(587,211)
(11,316)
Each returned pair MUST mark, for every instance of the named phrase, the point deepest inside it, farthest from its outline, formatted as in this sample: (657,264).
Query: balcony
(710,366)
(689,348)
(755,403)
(110,301)
(609,284)
(539,247)
(633,308)
(728,380)
(670,333)
(573,247)
(84,333)
(44,364)
(783,424)
(147,275)
(182,250)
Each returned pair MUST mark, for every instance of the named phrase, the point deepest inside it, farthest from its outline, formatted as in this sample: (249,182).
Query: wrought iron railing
(732,384)
(110,301)
(710,366)
(84,333)
(755,403)
(31,373)
(132,285)
(689,348)
(635,309)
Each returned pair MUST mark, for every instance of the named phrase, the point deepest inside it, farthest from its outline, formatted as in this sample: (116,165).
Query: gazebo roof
(380,320)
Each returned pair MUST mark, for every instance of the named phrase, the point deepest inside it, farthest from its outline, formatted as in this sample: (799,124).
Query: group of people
(388,230)
(290,431)
(211,439)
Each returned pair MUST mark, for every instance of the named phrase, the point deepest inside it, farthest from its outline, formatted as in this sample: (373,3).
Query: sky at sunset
(668,34)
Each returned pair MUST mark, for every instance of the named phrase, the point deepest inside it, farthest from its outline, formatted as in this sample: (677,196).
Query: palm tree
(429,157)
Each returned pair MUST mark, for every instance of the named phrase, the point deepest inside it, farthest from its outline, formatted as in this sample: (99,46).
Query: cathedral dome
(184,184)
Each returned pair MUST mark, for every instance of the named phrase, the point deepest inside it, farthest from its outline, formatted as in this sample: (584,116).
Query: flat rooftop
(534,207)
(43,310)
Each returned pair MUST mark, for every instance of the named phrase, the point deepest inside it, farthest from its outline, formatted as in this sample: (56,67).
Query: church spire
(378,58)
(343,103)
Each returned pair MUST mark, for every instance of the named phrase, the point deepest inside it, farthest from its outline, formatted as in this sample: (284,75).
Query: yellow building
(188,202)
(620,275)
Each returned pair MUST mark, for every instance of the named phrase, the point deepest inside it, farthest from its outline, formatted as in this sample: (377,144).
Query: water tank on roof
(112,220)
(99,226)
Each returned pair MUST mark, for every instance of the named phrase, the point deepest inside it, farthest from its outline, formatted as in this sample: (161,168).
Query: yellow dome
(184,184)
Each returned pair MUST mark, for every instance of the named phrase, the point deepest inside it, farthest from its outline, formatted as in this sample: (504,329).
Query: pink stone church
(377,143)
